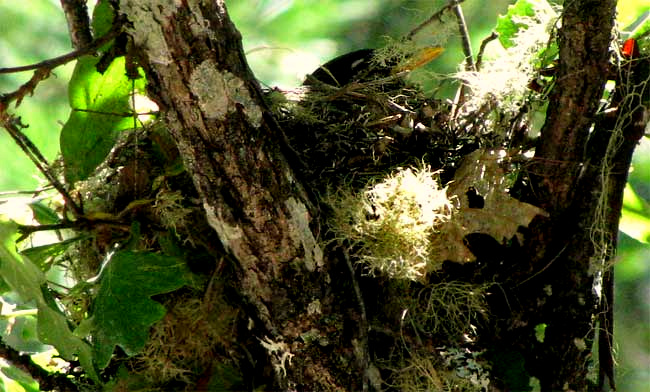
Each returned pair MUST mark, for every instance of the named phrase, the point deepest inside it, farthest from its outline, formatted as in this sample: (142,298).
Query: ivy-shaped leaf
(123,309)
(29,282)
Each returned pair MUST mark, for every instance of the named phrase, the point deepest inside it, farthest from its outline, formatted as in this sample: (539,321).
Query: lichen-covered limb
(231,147)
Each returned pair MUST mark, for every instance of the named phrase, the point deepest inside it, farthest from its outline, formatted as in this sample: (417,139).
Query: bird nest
(362,130)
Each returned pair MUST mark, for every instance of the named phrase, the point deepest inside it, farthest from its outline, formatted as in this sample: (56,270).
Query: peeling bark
(577,163)
(230,145)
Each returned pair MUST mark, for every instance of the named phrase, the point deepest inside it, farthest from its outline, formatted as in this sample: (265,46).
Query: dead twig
(13,125)
(433,18)
(481,50)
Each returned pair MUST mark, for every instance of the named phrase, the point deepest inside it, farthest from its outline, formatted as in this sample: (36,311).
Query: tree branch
(230,145)
(582,73)
(47,381)
(76,14)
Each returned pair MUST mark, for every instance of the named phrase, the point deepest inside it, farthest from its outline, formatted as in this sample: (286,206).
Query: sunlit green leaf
(508,26)
(632,201)
(635,220)
(44,214)
(628,12)
(98,102)
(13,379)
(635,225)
(26,279)
(123,308)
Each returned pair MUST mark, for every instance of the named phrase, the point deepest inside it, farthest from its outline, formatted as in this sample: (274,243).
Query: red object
(630,49)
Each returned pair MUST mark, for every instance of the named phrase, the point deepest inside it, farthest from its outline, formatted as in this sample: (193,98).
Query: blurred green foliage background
(284,41)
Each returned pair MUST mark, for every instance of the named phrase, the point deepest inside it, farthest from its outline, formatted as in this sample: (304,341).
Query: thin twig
(33,192)
(66,58)
(464,36)
(557,256)
(459,99)
(11,124)
(481,50)
(43,69)
(363,325)
(78,224)
(117,114)
(433,18)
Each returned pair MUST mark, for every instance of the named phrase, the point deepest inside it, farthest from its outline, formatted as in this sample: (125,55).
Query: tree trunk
(233,148)
(247,177)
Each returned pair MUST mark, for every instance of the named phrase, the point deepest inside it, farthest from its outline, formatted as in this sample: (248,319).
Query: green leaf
(43,256)
(643,26)
(635,220)
(508,25)
(13,379)
(44,214)
(635,225)
(123,308)
(102,18)
(630,13)
(26,279)
(98,102)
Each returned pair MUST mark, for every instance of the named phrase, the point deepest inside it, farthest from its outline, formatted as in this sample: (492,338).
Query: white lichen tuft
(505,77)
(394,221)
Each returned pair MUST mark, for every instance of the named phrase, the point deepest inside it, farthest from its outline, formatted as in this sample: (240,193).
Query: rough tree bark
(212,104)
(578,176)
(242,168)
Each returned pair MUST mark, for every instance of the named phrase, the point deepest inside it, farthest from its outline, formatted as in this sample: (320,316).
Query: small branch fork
(470,65)
(436,17)
(13,125)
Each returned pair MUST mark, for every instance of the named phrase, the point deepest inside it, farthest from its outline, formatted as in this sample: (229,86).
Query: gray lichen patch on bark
(146,16)
(227,232)
(301,233)
(232,238)
(209,85)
